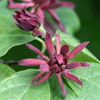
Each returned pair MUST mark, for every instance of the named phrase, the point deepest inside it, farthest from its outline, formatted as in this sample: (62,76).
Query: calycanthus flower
(50,5)
(28,21)
(44,5)
(57,63)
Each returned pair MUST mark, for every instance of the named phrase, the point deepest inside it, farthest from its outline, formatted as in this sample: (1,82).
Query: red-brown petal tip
(77,49)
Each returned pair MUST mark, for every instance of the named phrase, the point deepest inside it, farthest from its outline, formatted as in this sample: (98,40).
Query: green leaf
(84,55)
(10,35)
(90,89)
(17,87)
(68,18)
(5,71)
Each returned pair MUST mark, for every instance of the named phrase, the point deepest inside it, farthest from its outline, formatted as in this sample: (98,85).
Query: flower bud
(28,21)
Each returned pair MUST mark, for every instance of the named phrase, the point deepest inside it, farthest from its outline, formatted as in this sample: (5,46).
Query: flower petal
(34,22)
(53,1)
(25,24)
(59,58)
(36,51)
(55,17)
(49,30)
(44,78)
(49,44)
(37,76)
(41,15)
(61,84)
(50,24)
(64,4)
(85,64)
(70,76)
(22,27)
(77,49)
(44,67)
(20,5)
(27,0)
(77,65)
(73,65)
(31,62)
(64,49)
(58,43)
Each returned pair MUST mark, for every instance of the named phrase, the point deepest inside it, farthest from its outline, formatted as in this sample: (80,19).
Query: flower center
(57,64)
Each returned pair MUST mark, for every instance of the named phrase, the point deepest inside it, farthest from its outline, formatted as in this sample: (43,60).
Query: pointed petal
(78,49)
(53,1)
(27,0)
(59,58)
(36,51)
(25,24)
(37,76)
(58,43)
(73,65)
(22,27)
(10,1)
(55,17)
(45,67)
(49,44)
(64,49)
(85,64)
(41,15)
(33,21)
(48,30)
(61,84)
(77,65)
(44,78)
(31,62)
(64,4)
(44,3)
(20,5)
(70,76)
(50,24)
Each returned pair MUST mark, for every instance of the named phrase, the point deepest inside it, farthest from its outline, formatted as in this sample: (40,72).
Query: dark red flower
(44,5)
(49,5)
(28,21)
(57,63)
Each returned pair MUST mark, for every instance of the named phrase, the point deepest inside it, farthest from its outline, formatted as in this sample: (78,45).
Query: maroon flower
(28,21)
(49,5)
(44,5)
(57,63)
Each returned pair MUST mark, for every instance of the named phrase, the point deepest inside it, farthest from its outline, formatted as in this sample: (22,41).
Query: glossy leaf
(18,87)
(10,35)
(5,71)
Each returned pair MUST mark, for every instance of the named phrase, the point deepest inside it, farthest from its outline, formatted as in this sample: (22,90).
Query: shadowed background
(89,14)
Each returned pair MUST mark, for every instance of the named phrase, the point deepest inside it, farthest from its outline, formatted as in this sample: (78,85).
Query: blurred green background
(89,14)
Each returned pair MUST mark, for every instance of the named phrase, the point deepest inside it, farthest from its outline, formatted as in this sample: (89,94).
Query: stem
(10,62)
(43,44)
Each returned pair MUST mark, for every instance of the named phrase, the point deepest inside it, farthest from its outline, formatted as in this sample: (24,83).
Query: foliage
(16,85)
